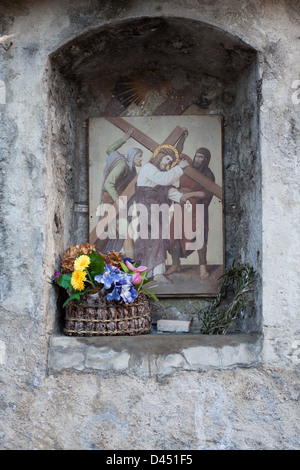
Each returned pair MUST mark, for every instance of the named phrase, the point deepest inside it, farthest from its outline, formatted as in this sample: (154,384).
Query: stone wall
(237,392)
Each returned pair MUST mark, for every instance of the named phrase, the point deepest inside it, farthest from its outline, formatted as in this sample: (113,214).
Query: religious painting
(155,194)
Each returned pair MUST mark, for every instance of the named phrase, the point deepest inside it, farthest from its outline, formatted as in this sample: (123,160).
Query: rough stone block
(173,325)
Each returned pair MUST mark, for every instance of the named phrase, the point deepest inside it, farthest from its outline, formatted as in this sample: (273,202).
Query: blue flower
(127,259)
(113,295)
(128,294)
(118,283)
(110,276)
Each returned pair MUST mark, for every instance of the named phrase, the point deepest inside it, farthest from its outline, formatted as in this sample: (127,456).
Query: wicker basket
(93,315)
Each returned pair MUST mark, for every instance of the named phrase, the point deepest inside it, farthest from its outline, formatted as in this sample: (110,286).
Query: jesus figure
(154,187)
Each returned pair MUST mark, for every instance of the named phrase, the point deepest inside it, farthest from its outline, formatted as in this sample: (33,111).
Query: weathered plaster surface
(236,408)
(154,355)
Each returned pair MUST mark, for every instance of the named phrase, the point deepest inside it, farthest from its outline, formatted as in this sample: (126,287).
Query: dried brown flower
(114,258)
(72,253)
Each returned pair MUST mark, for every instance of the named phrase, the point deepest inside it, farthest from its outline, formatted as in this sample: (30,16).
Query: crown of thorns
(169,147)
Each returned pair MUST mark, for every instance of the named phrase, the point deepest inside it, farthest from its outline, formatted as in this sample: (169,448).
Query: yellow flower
(81,262)
(77,279)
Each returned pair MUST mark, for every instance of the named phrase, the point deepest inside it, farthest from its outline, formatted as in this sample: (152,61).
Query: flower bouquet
(105,293)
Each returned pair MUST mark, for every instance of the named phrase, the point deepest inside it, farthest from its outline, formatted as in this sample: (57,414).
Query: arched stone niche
(206,71)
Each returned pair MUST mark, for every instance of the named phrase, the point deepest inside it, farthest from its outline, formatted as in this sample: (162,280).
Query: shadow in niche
(187,282)
(60,320)
(201,70)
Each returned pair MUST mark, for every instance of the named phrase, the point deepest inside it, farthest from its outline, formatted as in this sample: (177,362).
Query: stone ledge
(153,354)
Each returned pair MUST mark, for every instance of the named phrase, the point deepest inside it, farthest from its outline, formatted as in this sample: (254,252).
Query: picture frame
(156,195)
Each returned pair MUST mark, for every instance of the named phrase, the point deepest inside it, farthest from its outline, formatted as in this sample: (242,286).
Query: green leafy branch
(217,319)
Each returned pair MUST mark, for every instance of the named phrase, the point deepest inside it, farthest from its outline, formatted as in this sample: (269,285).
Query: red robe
(186,182)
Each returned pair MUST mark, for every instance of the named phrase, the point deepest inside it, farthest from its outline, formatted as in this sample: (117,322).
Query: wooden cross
(151,145)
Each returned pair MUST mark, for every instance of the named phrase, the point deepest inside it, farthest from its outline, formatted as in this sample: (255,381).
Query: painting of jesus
(155,195)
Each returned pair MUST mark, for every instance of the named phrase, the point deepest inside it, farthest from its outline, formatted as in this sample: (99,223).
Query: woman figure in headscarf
(119,171)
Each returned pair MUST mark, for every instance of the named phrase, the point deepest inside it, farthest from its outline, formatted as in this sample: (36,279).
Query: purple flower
(57,274)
